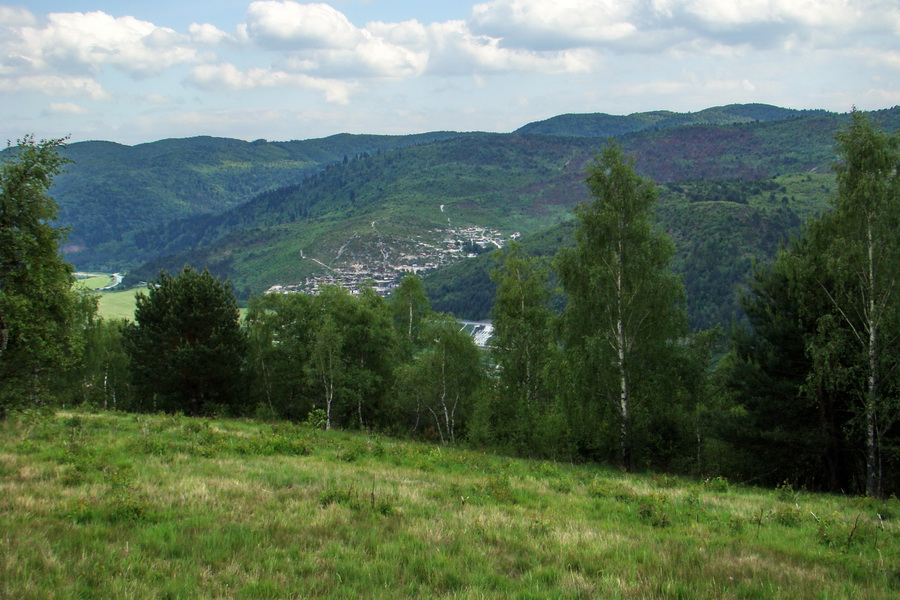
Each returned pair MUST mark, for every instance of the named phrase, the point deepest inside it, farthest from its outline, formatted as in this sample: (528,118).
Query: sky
(139,71)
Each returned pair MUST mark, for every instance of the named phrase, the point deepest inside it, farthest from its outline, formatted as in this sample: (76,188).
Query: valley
(734,183)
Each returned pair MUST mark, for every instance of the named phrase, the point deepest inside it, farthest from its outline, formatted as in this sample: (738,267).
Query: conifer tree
(186,347)
(860,243)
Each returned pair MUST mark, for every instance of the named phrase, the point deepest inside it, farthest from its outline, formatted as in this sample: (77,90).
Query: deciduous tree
(860,242)
(624,310)
(520,344)
(40,314)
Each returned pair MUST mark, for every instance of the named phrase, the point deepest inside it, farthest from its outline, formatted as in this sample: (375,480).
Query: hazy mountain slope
(600,125)
(110,189)
(719,203)
(719,230)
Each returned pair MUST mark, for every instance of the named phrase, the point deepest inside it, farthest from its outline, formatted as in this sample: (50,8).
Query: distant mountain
(599,125)
(111,189)
(730,193)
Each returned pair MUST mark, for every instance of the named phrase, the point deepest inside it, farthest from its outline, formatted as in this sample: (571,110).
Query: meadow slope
(107,505)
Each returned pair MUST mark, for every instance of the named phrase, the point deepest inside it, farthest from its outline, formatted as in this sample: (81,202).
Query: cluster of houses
(382,268)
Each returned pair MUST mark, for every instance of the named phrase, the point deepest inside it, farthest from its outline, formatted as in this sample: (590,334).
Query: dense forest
(594,355)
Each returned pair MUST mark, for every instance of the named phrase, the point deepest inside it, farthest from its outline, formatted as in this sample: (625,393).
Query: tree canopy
(40,314)
(186,347)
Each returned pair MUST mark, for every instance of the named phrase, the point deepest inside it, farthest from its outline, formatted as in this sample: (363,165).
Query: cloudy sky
(136,71)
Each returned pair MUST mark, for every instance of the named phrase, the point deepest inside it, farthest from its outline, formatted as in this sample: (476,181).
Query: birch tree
(520,343)
(624,308)
(860,243)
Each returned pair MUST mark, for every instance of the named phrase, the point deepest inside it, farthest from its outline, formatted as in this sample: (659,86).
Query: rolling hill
(729,194)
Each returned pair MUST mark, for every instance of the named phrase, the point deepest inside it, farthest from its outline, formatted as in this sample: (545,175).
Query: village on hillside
(381,267)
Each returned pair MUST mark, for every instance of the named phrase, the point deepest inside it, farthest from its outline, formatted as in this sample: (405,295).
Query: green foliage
(435,392)
(332,352)
(40,313)
(815,375)
(186,348)
(624,311)
(520,345)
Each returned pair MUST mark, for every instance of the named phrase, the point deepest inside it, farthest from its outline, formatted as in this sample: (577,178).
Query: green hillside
(720,228)
(112,505)
(110,189)
(598,125)
(730,193)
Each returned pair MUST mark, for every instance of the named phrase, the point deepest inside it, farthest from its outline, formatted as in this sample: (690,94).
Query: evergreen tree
(785,427)
(41,317)
(186,347)
(624,311)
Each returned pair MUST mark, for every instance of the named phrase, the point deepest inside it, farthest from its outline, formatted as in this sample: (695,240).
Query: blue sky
(135,72)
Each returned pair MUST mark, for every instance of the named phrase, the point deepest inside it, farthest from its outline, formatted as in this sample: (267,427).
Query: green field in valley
(112,505)
(117,304)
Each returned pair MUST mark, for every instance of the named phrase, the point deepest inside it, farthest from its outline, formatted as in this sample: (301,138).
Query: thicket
(806,393)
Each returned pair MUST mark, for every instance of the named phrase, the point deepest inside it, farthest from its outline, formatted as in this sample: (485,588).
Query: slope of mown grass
(136,506)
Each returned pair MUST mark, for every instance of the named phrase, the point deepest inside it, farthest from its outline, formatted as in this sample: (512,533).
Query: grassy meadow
(111,505)
(117,304)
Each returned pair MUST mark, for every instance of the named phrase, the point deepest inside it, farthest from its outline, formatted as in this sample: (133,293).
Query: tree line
(591,357)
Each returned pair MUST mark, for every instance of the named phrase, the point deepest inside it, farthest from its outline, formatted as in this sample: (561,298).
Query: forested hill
(603,125)
(730,193)
(110,189)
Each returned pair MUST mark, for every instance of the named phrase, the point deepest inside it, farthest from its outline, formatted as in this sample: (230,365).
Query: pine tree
(186,347)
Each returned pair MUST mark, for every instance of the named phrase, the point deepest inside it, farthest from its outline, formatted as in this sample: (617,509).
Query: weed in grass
(692,498)
(563,486)
(352,499)
(717,484)
(788,515)
(333,494)
(665,481)
(653,509)
(736,525)
(498,488)
(786,493)
(351,452)
(316,419)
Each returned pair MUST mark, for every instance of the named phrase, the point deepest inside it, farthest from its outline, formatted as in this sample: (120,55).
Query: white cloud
(65,108)
(14,16)
(227,76)
(55,85)
(69,42)
(654,24)
(409,34)
(207,34)
(290,25)
(558,25)
(455,50)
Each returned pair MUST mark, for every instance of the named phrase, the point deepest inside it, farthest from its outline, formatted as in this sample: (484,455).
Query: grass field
(121,304)
(117,305)
(93,281)
(106,505)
